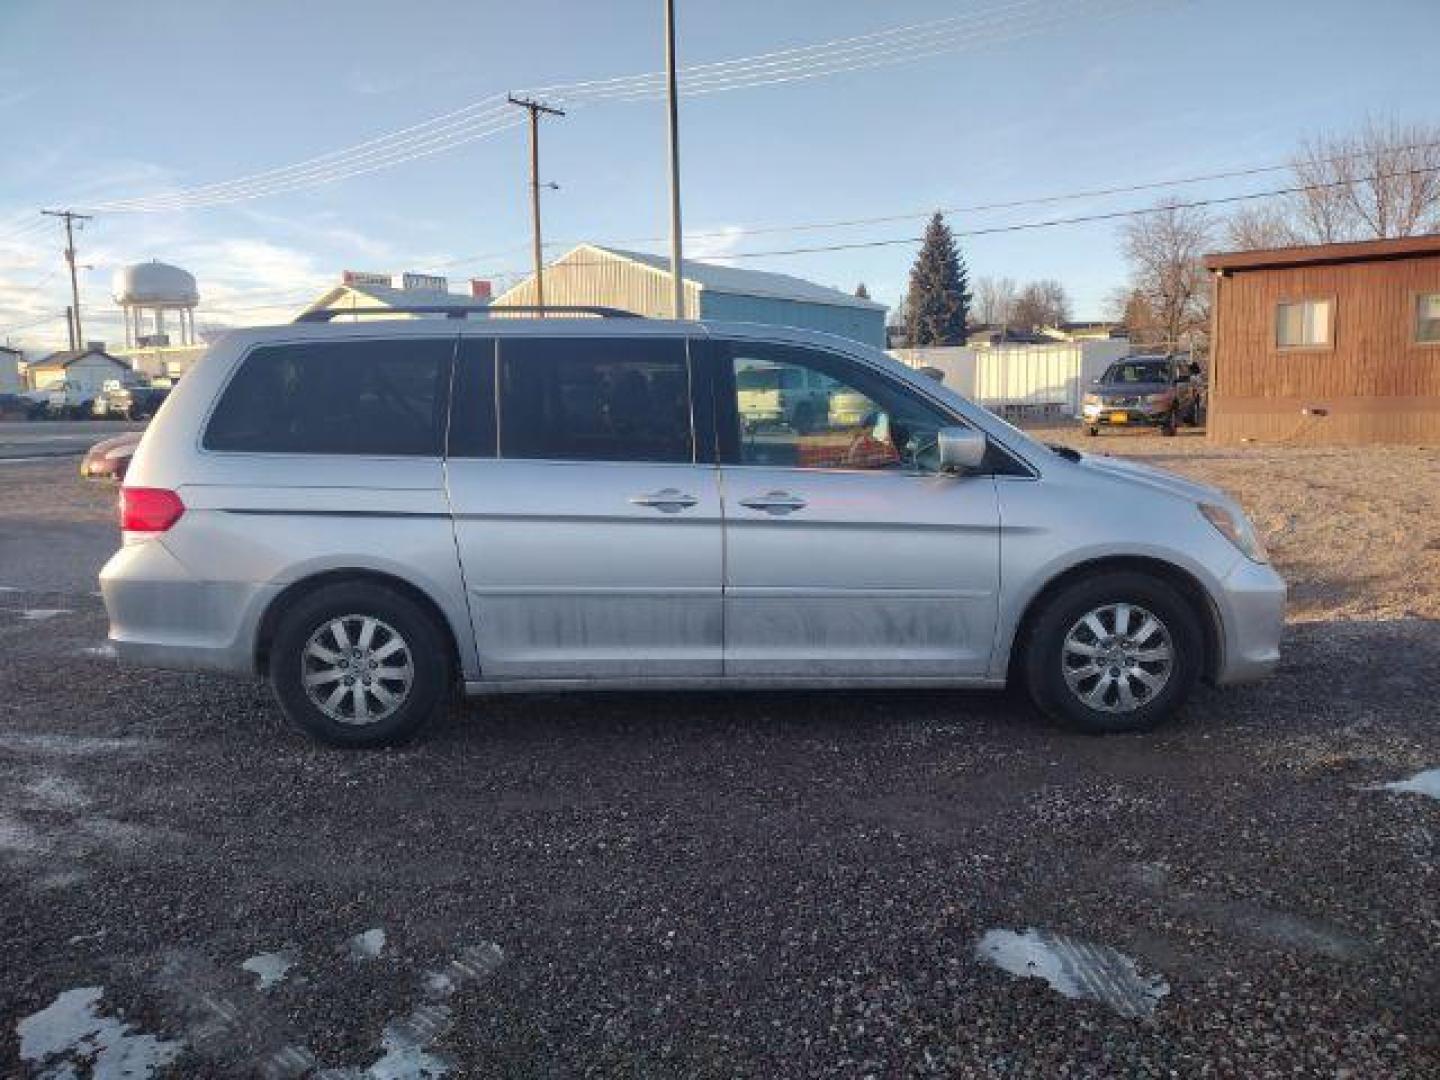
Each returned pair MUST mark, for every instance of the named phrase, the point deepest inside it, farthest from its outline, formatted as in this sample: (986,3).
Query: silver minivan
(368,514)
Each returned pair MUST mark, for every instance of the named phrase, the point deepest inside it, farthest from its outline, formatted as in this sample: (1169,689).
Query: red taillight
(151,510)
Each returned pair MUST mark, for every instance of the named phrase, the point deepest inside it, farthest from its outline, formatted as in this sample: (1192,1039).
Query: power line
(485,117)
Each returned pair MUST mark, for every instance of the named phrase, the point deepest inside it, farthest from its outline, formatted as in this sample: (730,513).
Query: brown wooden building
(1332,343)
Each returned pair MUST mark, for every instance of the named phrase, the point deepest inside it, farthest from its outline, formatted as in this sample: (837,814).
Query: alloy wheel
(357,669)
(1117,657)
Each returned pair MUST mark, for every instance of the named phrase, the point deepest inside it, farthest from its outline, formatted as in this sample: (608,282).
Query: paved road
(727,885)
(22,441)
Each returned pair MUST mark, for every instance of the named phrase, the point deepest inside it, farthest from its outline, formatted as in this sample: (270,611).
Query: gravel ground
(740,885)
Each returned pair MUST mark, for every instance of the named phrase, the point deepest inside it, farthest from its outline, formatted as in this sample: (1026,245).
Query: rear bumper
(162,616)
(1253,620)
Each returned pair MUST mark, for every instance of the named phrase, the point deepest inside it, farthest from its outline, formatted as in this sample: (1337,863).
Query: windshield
(1137,371)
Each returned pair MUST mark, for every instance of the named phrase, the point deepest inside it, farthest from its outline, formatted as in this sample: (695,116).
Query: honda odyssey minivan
(369,515)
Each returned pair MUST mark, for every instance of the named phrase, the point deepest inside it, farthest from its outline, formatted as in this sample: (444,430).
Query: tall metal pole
(69,217)
(535,108)
(678,281)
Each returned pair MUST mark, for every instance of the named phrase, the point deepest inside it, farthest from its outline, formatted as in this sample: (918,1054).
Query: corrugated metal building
(640,282)
(1331,343)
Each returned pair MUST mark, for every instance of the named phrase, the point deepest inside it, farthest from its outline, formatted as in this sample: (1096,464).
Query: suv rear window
(595,399)
(376,398)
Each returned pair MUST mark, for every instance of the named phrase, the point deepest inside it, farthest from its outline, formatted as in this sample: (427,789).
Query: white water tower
(146,292)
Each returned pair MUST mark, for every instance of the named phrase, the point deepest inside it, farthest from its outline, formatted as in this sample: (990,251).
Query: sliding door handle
(774,502)
(666,500)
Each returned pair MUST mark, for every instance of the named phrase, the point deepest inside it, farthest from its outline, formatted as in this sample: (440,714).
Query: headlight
(1090,399)
(1237,529)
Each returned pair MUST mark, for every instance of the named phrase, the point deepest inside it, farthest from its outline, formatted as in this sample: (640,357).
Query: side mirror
(961,449)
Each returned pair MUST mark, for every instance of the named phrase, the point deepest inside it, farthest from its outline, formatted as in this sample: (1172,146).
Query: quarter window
(799,408)
(376,398)
(595,399)
(1427,318)
(1304,324)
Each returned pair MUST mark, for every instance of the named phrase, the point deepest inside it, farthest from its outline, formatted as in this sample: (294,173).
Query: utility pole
(678,283)
(77,335)
(535,108)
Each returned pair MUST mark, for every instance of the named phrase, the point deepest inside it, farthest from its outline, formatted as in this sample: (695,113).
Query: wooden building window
(1305,324)
(1427,318)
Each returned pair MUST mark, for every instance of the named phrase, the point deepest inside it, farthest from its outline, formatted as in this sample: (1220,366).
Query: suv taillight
(149,510)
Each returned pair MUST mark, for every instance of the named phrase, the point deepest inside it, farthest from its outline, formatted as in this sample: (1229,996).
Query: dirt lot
(740,885)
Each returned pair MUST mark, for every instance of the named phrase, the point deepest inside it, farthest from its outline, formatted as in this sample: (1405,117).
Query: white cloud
(717,246)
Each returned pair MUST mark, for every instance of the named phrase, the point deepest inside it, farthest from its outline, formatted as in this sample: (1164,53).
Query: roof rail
(461,311)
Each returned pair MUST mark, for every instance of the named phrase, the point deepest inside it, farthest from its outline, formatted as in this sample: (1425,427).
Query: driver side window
(802,408)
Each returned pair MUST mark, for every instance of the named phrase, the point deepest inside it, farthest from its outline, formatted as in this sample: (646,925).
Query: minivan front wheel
(1120,651)
(358,664)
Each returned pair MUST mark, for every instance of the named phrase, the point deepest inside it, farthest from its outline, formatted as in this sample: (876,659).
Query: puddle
(104,652)
(1422,783)
(1074,968)
(70,1034)
(269,968)
(367,946)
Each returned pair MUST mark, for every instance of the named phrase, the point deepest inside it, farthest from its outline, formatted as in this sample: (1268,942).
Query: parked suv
(1144,391)
(367,514)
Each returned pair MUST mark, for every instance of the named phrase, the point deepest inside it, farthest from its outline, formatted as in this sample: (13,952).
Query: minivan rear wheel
(358,664)
(1119,651)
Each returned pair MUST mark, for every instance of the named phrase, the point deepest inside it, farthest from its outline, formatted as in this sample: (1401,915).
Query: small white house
(83,373)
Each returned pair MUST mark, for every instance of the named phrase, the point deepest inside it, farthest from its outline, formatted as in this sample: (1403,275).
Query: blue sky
(102,101)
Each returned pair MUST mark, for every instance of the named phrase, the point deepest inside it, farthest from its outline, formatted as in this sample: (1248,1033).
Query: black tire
(1043,661)
(1168,426)
(1092,430)
(425,644)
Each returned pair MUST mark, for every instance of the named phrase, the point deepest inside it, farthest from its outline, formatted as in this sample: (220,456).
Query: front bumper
(1123,415)
(1252,600)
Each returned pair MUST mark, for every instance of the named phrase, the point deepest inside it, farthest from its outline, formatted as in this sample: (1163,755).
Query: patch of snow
(71,745)
(19,838)
(37,614)
(104,652)
(407,1046)
(367,946)
(59,791)
(71,1033)
(1422,783)
(269,968)
(1074,968)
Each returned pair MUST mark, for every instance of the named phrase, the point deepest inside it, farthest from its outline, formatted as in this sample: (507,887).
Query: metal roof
(714,277)
(1317,254)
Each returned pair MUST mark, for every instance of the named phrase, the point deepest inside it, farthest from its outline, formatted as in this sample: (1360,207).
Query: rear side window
(346,397)
(595,399)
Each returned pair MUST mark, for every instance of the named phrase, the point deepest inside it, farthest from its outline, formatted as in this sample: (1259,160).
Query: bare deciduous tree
(1165,250)
(1382,181)
(995,301)
(1041,303)
(1261,225)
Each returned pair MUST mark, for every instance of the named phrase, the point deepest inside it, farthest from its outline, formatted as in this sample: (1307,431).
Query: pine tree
(862,292)
(938,303)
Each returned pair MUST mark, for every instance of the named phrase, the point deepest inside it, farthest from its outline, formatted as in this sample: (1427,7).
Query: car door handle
(666,500)
(774,502)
